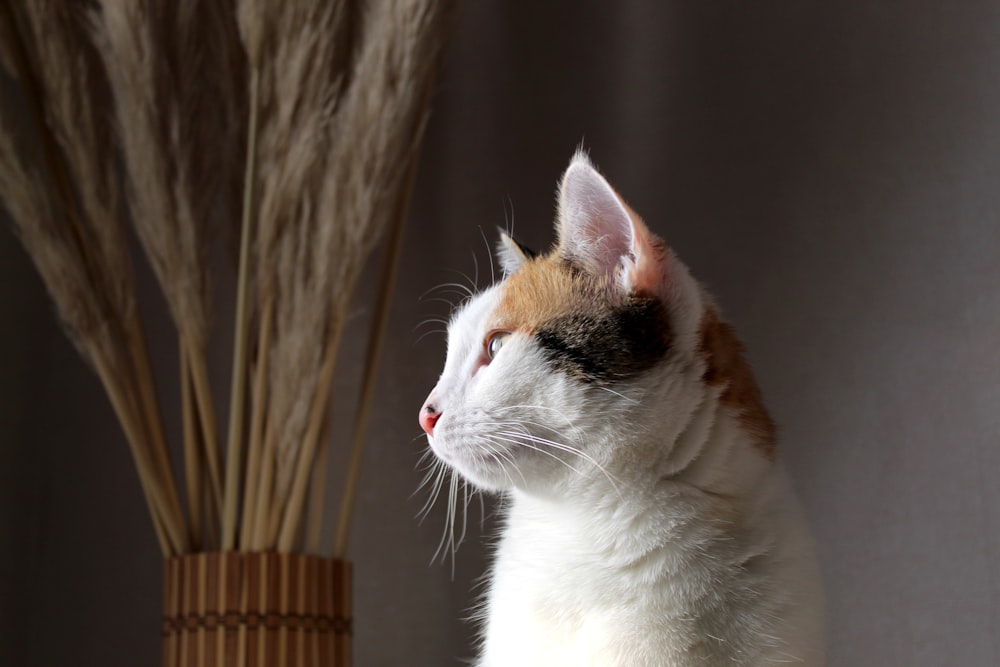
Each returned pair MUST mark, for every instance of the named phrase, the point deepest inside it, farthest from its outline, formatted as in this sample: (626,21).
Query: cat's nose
(429,415)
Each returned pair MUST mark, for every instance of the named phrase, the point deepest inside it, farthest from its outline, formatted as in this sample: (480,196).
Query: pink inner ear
(597,228)
(594,226)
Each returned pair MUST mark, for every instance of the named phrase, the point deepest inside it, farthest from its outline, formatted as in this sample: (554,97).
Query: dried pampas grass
(66,210)
(171,69)
(295,125)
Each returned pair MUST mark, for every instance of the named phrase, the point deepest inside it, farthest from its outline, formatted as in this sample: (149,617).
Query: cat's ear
(511,253)
(598,231)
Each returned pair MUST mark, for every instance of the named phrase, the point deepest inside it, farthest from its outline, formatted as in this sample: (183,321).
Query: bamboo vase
(259,609)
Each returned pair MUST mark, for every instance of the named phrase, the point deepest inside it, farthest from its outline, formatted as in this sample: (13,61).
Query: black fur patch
(604,350)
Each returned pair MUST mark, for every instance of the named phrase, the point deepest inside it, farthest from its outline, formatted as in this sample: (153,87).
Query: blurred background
(830,170)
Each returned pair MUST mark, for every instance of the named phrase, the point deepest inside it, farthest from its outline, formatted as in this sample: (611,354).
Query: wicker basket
(262,609)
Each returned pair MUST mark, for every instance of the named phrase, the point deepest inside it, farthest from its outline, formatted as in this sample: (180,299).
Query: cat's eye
(494,342)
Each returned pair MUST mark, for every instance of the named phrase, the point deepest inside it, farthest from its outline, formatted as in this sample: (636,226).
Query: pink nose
(429,416)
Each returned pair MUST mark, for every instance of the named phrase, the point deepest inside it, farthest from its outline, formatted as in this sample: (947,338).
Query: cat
(647,520)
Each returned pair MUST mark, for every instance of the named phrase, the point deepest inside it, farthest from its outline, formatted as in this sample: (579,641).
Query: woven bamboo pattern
(237,609)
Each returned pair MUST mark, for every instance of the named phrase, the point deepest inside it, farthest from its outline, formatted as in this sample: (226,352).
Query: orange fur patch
(725,364)
(543,290)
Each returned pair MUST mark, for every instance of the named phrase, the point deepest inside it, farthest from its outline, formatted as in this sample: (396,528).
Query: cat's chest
(562,593)
(553,599)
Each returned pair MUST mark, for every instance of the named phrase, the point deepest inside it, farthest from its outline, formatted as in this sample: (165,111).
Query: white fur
(509,253)
(643,526)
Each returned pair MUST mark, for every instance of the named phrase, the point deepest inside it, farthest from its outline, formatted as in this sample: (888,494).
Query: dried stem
(211,518)
(192,454)
(265,491)
(149,403)
(291,517)
(317,490)
(258,410)
(237,402)
(148,475)
(206,418)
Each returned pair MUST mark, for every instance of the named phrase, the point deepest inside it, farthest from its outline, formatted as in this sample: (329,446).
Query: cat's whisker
(442,471)
(431,320)
(458,288)
(465,517)
(460,291)
(452,517)
(453,535)
(506,456)
(512,438)
(473,284)
(509,220)
(456,506)
(552,443)
(528,408)
(431,476)
(432,497)
(627,399)
(429,333)
(489,254)
(427,460)
(525,422)
(461,288)
(482,508)
(499,456)
(521,426)
(431,465)
(428,476)
(440,299)
(448,522)
(569,449)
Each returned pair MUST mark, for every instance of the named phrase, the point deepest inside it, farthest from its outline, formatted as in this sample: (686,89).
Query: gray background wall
(830,170)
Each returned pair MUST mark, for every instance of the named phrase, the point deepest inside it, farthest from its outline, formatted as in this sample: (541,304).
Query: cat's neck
(681,487)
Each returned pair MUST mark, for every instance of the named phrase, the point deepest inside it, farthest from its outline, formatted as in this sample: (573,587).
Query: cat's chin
(482,472)
(484,481)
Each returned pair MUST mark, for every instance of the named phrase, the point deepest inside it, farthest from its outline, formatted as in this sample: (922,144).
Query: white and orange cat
(647,522)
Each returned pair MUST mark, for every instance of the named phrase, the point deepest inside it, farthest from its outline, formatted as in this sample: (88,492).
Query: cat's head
(579,360)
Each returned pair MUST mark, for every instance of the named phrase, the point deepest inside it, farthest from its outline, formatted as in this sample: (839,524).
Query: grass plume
(293,126)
